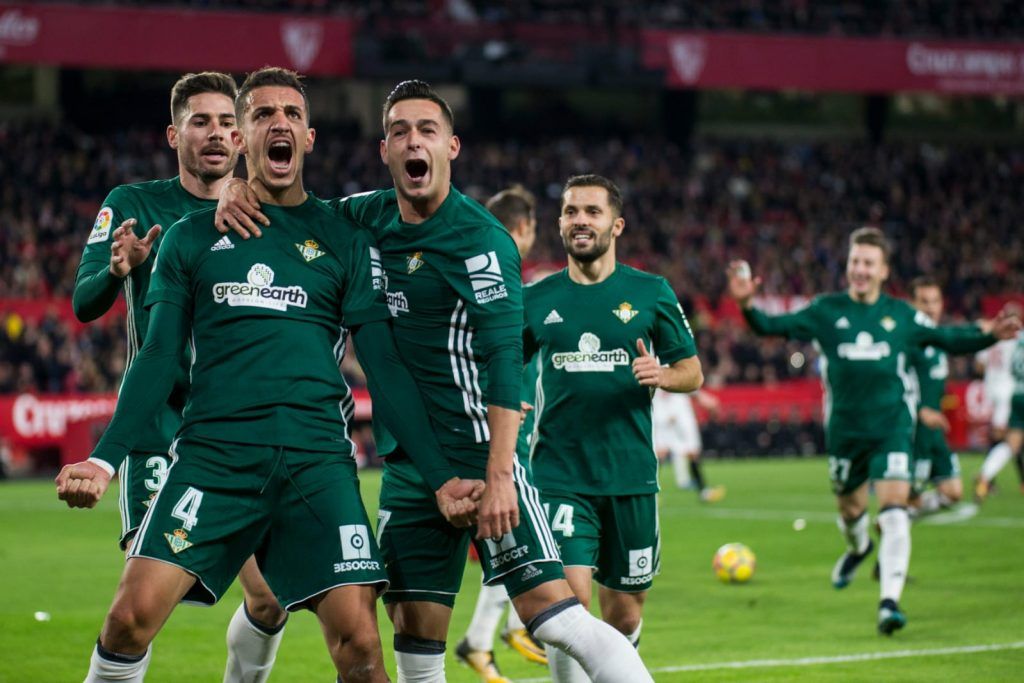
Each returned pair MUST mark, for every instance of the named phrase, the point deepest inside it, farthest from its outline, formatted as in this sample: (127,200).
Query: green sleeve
(96,288)
(397,401)
(362,296)
(797,325)
(956,339)
(673,338)
(147,383)
(502,350)
(362,208)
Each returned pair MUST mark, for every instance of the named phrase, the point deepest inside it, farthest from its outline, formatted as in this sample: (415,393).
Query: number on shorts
(187,509)
(897,465)
(838,469)
(158,466)
(382,520)
(562,521)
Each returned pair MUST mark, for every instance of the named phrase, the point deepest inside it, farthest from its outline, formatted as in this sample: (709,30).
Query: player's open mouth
(416,169)
(582,236)
(280,156)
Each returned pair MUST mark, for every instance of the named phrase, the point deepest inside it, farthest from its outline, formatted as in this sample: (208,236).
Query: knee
(357,652)
(127,630)
(626,624)
(264,609)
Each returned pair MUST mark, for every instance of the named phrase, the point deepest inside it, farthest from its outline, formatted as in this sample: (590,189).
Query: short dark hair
(416,90)
(594,180)
(197,84)
(922,281)
(872,237)
(268,76)
(512,205)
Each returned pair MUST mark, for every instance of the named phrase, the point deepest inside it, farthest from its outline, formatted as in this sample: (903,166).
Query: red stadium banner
(173,39)
(732,60)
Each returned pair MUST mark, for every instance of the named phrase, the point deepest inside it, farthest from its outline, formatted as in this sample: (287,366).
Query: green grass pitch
(966,590)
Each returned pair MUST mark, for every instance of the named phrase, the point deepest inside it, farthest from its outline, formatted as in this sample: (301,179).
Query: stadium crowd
(977,19)
(785,207)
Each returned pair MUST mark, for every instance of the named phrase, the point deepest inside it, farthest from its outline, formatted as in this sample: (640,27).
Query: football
(734,563)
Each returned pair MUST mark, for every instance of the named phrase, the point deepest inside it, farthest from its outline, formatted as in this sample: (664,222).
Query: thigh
(1016,417)
(425,555)
(209,516)
(630,550)
(527,556)
(575,526)
(848,463)
(140,476)
(320,537)
(890,459)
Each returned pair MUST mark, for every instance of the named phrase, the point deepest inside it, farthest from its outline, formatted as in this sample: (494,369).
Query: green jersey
(455,295)
(531,373)
(593,419)
(269,324)
(159,202)
(931,369)
(865,357)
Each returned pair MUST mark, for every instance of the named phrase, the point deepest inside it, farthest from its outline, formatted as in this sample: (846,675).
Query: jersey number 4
(187,508)
(562,521)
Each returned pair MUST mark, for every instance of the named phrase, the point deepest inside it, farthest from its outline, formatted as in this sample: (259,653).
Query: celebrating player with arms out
(453,281)
(202,118)
(597,326)
(866,339)
(262,462)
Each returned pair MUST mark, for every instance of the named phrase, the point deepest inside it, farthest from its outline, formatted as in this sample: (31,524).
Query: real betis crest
(414,262)
(178,541)
(310,250)
(888,324)
(625,312)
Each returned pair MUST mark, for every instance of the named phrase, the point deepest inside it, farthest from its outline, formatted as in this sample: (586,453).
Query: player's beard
(601,244)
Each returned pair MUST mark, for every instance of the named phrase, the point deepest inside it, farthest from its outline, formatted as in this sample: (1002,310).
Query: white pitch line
(816,661)
(956,516)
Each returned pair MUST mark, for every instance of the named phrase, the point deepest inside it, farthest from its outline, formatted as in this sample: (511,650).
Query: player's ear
(384,151)
(238,140)
(172,136)
(454,147)
(618,225)
(310,137)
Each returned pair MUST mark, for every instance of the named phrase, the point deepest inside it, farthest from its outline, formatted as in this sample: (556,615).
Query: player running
(865,339)
(677,439)
(934,463)
(1013,445)
(121,258)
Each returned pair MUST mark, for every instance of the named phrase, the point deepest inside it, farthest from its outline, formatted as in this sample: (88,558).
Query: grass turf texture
(965,591)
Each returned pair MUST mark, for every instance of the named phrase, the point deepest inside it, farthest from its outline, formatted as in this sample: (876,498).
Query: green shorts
(855,460)
(298,511)
(1016,412)
(140,476)
(618,536)
(933,461)
(425,556)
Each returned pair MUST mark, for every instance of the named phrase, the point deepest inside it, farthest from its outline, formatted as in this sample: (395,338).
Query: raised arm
(742,287)
(961,339)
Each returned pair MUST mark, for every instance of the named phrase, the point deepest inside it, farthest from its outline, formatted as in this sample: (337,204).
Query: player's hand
(1006,325)
(499,507)
(742,287)
(646,368)
(524,410)
(933,419)
(238,209)
(457,500)
(127,250)
(82,484)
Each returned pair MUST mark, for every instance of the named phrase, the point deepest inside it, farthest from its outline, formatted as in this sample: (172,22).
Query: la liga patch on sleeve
(101,228)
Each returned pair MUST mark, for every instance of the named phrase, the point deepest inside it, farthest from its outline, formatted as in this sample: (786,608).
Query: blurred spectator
(952,210)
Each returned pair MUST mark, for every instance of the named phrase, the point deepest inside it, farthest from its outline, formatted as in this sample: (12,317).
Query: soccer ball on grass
(734,563)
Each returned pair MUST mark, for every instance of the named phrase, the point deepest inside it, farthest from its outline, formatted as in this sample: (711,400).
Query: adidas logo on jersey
(843,324)
(553,318)
(222,243)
